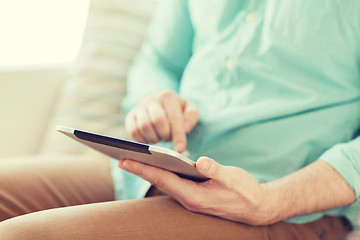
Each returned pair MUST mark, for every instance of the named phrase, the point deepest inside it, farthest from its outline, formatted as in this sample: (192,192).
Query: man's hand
(231,193)
(162,116)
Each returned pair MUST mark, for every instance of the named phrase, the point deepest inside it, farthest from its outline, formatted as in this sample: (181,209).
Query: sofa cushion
(91,98)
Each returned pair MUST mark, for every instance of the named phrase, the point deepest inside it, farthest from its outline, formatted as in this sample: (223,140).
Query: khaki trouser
(78,194)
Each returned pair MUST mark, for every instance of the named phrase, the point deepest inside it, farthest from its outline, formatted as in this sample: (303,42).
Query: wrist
(271,205)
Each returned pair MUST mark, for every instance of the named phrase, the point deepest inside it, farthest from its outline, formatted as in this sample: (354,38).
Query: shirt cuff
(345,159)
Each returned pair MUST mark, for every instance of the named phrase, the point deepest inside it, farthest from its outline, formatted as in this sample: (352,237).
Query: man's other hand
(162,116)
(231,193)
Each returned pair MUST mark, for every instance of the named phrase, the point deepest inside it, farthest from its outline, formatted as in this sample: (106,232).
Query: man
(268,91)
(273,92)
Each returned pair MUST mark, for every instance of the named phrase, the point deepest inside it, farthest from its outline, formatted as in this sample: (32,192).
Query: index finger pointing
(175,114)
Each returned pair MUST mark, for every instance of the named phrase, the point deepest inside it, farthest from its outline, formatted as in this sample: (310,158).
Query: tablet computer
(123,149)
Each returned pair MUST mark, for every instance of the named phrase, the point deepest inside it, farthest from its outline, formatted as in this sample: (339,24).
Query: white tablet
(123,149)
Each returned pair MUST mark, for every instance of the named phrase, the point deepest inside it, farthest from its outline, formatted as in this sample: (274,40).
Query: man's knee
(27,227)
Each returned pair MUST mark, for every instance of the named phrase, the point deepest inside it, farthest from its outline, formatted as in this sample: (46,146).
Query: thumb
(209,168)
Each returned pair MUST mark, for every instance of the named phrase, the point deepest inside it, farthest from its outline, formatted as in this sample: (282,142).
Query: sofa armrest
(26,102)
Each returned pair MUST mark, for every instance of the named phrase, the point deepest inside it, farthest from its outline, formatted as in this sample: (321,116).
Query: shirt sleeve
(164,54)
(345,159)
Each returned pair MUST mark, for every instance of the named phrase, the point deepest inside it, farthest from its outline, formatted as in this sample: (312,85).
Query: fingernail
(179,147)
(125,165)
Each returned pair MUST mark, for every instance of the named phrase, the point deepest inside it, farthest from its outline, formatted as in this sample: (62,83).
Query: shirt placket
(230,71)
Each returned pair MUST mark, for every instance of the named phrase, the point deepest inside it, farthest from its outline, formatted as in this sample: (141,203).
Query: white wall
(40,32)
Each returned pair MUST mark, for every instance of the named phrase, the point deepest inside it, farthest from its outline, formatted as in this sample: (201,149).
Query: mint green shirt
(277,84)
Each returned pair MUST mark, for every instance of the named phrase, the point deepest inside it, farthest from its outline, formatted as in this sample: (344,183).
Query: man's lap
(152,218)
(34,185)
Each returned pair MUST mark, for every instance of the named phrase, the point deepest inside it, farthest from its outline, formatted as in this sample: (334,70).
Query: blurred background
(65,62)
(40,33)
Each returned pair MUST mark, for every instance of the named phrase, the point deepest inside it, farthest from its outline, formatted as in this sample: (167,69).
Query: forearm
(317,187)
(164,54)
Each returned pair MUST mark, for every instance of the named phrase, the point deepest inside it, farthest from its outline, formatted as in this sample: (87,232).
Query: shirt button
(211,107)
(250,18)
(229,64)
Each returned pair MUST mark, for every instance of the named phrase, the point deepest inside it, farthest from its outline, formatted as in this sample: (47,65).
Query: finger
(210,168)
(175,115)
(145,126)
(191,116)
(131,127)
(159,121)
(166,181)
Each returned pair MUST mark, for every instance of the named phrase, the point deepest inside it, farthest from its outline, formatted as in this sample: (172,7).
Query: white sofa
(86,94)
